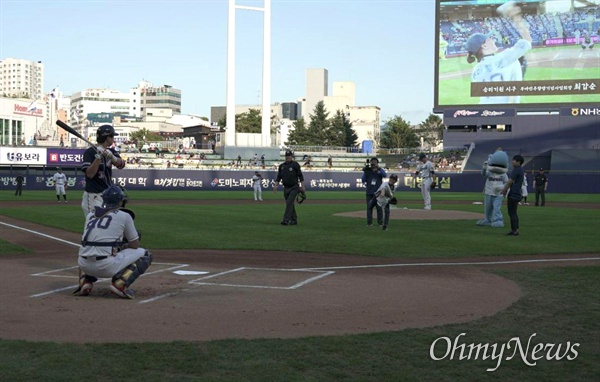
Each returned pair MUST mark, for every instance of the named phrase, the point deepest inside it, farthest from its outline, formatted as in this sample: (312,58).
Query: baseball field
(234,296)
(564,63)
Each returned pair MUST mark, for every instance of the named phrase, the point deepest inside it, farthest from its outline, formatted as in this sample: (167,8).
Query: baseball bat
(72,131)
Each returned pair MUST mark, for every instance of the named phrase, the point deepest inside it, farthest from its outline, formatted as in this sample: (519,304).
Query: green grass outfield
(559,305)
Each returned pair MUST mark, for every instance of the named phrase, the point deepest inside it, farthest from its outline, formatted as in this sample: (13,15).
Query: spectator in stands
(62,143)
(239,160)
(503,66)
(372,178)
(330,161)
(307,162)
(262,161)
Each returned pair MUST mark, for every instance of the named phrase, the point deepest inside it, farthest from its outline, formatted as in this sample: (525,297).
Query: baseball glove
(301,197)
(524,64)
(433,186)
(393,200)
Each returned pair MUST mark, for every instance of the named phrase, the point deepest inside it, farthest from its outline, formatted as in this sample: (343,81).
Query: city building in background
(317,86)
(21,78)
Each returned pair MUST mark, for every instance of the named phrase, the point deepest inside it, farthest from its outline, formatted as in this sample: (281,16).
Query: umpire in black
(290,174)
(540,185)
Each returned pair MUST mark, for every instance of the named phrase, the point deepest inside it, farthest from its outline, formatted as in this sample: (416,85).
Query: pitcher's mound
(411,214)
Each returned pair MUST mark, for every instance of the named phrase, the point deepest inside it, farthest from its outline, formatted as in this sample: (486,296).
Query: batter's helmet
(112,197)
(103,132)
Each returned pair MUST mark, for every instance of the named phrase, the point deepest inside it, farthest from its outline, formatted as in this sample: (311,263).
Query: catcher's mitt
(301,197)
(524,65)
(433,186)
(393,200)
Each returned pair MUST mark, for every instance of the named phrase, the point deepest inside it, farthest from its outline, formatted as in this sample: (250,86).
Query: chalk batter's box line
(71,287)
(295,286)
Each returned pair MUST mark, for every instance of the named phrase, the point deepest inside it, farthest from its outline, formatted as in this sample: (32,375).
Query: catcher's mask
(301,197)
(112,197)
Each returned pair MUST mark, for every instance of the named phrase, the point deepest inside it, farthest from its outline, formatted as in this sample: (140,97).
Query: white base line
(41,234)
(452,264)
(99,280)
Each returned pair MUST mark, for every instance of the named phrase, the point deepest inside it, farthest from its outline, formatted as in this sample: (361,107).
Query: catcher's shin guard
(127,276)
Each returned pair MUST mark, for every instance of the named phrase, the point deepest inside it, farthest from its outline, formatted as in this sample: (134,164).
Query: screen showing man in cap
(290,174)
(60,181)
(495,66)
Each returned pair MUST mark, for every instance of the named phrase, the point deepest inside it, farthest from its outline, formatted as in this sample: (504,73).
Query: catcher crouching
(110,247)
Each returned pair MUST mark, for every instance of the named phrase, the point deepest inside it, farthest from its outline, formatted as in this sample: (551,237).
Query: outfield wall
(227,180)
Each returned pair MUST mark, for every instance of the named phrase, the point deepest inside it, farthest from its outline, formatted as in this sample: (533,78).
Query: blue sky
(384,47)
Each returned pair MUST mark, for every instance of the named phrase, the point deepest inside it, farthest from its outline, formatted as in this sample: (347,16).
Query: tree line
(338,131)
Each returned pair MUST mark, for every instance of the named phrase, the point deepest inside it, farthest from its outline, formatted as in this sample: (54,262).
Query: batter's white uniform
(425,170)
(524,192)
(256,183)
(384,193)
(503,66)
(111,227)
(60,179)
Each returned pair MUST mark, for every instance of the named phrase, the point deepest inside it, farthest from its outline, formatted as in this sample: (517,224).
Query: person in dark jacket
(19,180)
(290,174)
(372,178)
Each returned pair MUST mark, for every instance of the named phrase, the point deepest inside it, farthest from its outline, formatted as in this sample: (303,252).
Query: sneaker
(427,208)
(384,228)
(59,201)
(513,233)
(293,223)
(369,224)
(284,223)
(66,201)
(86,288)
(122,292)
(526,204)
(520,203)
(260,200)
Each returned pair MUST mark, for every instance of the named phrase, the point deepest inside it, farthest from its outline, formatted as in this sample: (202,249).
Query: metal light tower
(266,83)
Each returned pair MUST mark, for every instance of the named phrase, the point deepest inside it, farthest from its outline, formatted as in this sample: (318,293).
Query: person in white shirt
(257,185)
(426,172)
(60,182)
(381,199)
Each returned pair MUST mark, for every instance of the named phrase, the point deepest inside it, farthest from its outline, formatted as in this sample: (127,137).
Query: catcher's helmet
(103,132)
(112,197)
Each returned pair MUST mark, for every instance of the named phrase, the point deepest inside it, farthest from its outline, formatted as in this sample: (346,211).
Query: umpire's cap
(289,153)
(421,156)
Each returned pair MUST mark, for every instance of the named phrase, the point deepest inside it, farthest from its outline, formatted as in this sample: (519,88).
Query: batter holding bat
(494,66)
(97,166)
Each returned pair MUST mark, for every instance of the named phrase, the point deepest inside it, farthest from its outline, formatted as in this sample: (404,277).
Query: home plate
(190,273)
